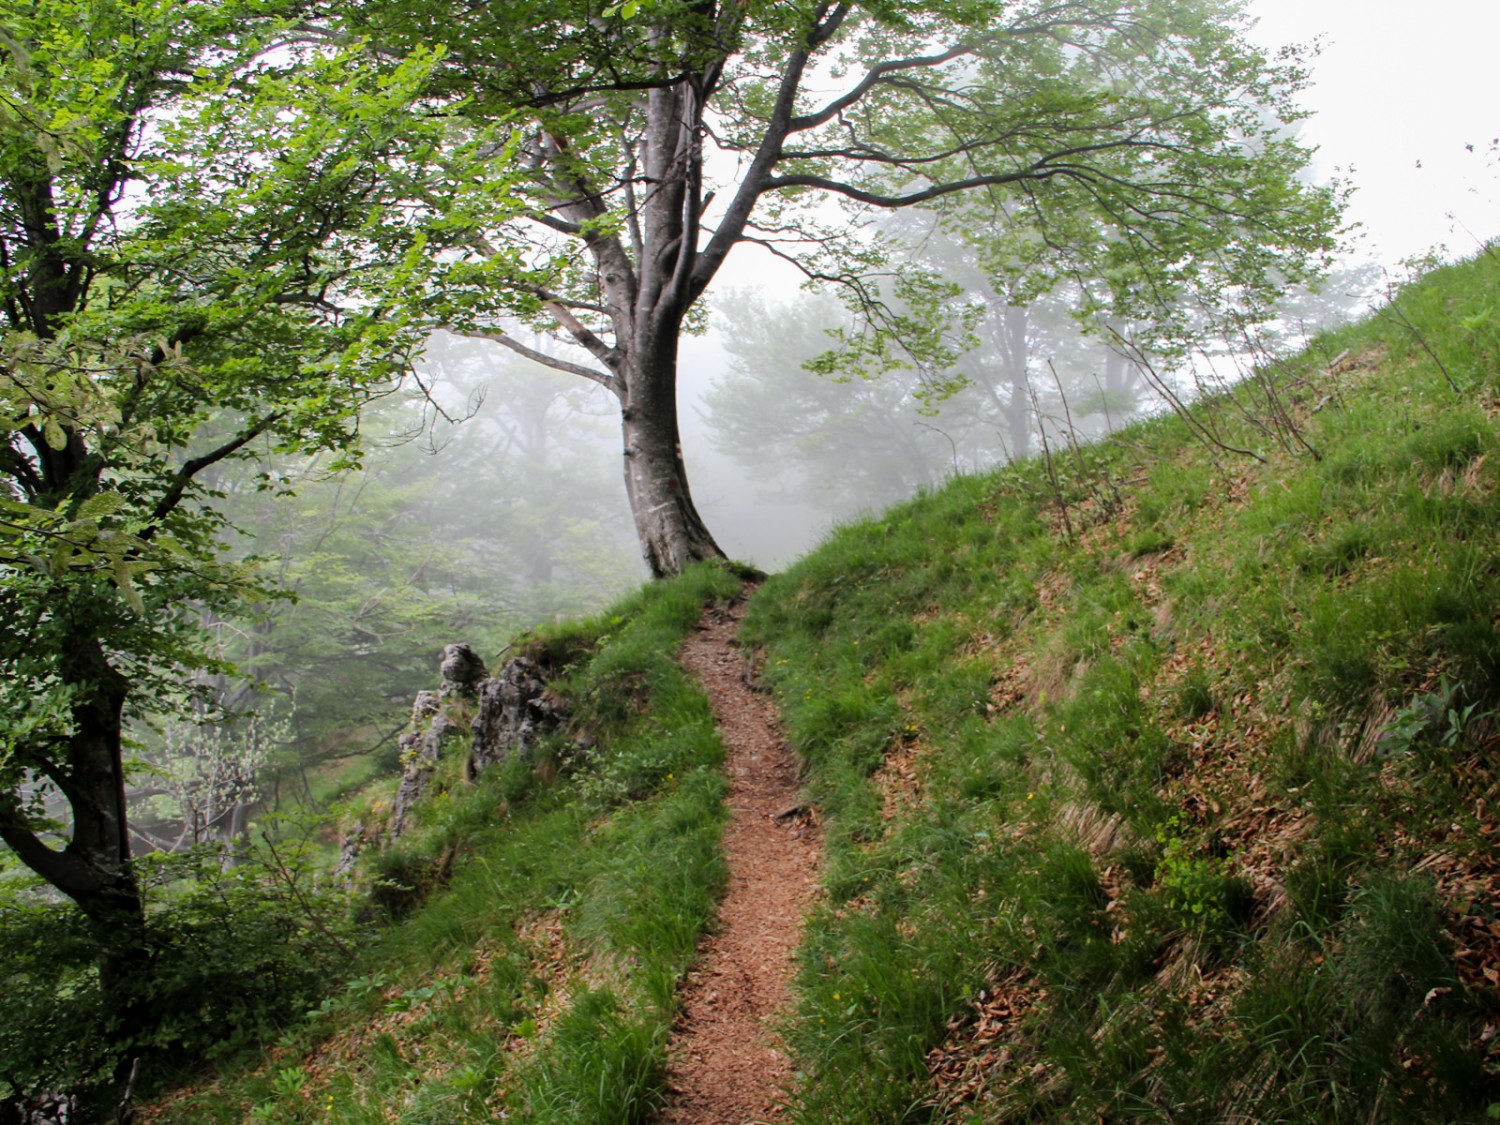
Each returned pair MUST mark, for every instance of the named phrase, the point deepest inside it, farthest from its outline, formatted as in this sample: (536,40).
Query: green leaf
(101,504)
(120,573)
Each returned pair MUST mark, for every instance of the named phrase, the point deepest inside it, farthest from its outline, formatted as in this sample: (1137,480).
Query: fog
(491,497)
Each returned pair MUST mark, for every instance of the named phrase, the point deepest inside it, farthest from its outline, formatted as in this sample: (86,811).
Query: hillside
(1154,780)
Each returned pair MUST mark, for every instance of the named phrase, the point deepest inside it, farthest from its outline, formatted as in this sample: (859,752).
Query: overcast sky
(1400,89)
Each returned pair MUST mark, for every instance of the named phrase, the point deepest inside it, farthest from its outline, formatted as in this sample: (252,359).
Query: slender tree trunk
(671,533)
(531,440)
(1017,413)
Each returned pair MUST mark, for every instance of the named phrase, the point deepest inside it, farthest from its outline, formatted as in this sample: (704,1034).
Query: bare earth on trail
(726,1063)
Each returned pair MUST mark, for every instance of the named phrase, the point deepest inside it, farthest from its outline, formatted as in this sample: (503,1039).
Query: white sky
(1400,84)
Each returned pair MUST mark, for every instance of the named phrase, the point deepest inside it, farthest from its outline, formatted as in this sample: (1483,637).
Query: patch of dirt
(726,1062)
(898,779)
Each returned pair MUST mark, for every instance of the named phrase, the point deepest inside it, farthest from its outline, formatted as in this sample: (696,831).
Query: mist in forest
(490,500)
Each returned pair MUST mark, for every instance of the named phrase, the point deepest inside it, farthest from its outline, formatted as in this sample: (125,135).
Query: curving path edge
(726,1062)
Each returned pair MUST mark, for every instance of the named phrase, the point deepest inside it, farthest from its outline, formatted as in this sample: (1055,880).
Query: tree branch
(603,378)
(191,468)
(876,75)
(754,184)
(62,869)
(586,338)
(875,199)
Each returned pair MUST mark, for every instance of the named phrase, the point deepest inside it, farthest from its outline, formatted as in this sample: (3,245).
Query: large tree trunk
(671,533)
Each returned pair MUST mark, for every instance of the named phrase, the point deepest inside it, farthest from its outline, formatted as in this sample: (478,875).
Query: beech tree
(1138,144)
(201,258)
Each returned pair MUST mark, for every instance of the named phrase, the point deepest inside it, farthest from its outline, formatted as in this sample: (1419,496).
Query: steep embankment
(1160,782)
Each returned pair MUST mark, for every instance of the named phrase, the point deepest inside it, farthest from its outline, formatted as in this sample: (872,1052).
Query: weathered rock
(352,842)
(48,1109)
(463,670)
(426,703)
(419,753)
(515,711)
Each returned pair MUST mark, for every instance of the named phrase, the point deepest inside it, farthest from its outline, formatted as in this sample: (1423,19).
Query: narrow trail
(727,1066)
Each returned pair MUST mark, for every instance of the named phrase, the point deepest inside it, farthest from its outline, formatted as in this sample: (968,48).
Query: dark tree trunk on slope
(671,532)
(94,869)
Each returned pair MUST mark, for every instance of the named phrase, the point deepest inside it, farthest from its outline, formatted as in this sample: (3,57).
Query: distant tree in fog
(850,442)
(839,443)
(446,532)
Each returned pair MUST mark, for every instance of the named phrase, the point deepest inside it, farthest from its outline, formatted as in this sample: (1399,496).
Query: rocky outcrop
(511,713)
(463,671)
(420,748)
(49,1109)
(516,710)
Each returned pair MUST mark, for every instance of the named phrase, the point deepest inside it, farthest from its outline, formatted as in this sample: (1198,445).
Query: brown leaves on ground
(986,1051)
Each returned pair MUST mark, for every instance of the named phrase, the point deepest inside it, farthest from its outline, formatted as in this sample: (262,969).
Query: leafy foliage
(236,954)
(212,238)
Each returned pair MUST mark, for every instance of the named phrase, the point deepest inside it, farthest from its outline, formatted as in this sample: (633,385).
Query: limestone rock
(463,669)
(352,842)
(48,1109)
(515,711)
(419,753)
(426,703)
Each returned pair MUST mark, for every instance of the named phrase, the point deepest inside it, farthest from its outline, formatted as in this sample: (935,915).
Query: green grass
(1176,771)
(1183,814)
(549,910)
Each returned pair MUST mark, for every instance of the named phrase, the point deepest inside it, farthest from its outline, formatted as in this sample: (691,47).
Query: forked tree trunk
(671,533)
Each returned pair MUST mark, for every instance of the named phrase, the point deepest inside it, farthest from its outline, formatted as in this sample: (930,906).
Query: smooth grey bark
(671,532)
(651,272)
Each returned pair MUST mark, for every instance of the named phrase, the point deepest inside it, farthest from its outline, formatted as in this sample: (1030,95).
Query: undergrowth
(1178,808)
(537,980)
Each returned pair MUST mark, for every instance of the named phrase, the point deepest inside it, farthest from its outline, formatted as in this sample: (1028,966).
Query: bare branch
(192,467)
(611,357)
(603,378)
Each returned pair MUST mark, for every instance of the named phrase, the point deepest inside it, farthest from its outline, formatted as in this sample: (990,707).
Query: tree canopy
(1142,151)
(207,237)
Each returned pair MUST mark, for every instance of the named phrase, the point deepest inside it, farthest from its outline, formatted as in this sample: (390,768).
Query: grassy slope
(538,981)
(1186,815)
(1180,814)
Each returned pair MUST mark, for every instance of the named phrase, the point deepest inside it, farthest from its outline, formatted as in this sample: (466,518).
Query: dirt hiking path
(726,1063)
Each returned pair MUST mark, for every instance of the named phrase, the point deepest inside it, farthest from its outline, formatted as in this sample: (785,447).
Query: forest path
(726,1063)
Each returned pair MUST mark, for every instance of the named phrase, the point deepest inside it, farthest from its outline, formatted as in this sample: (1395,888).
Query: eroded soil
(727,1064)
